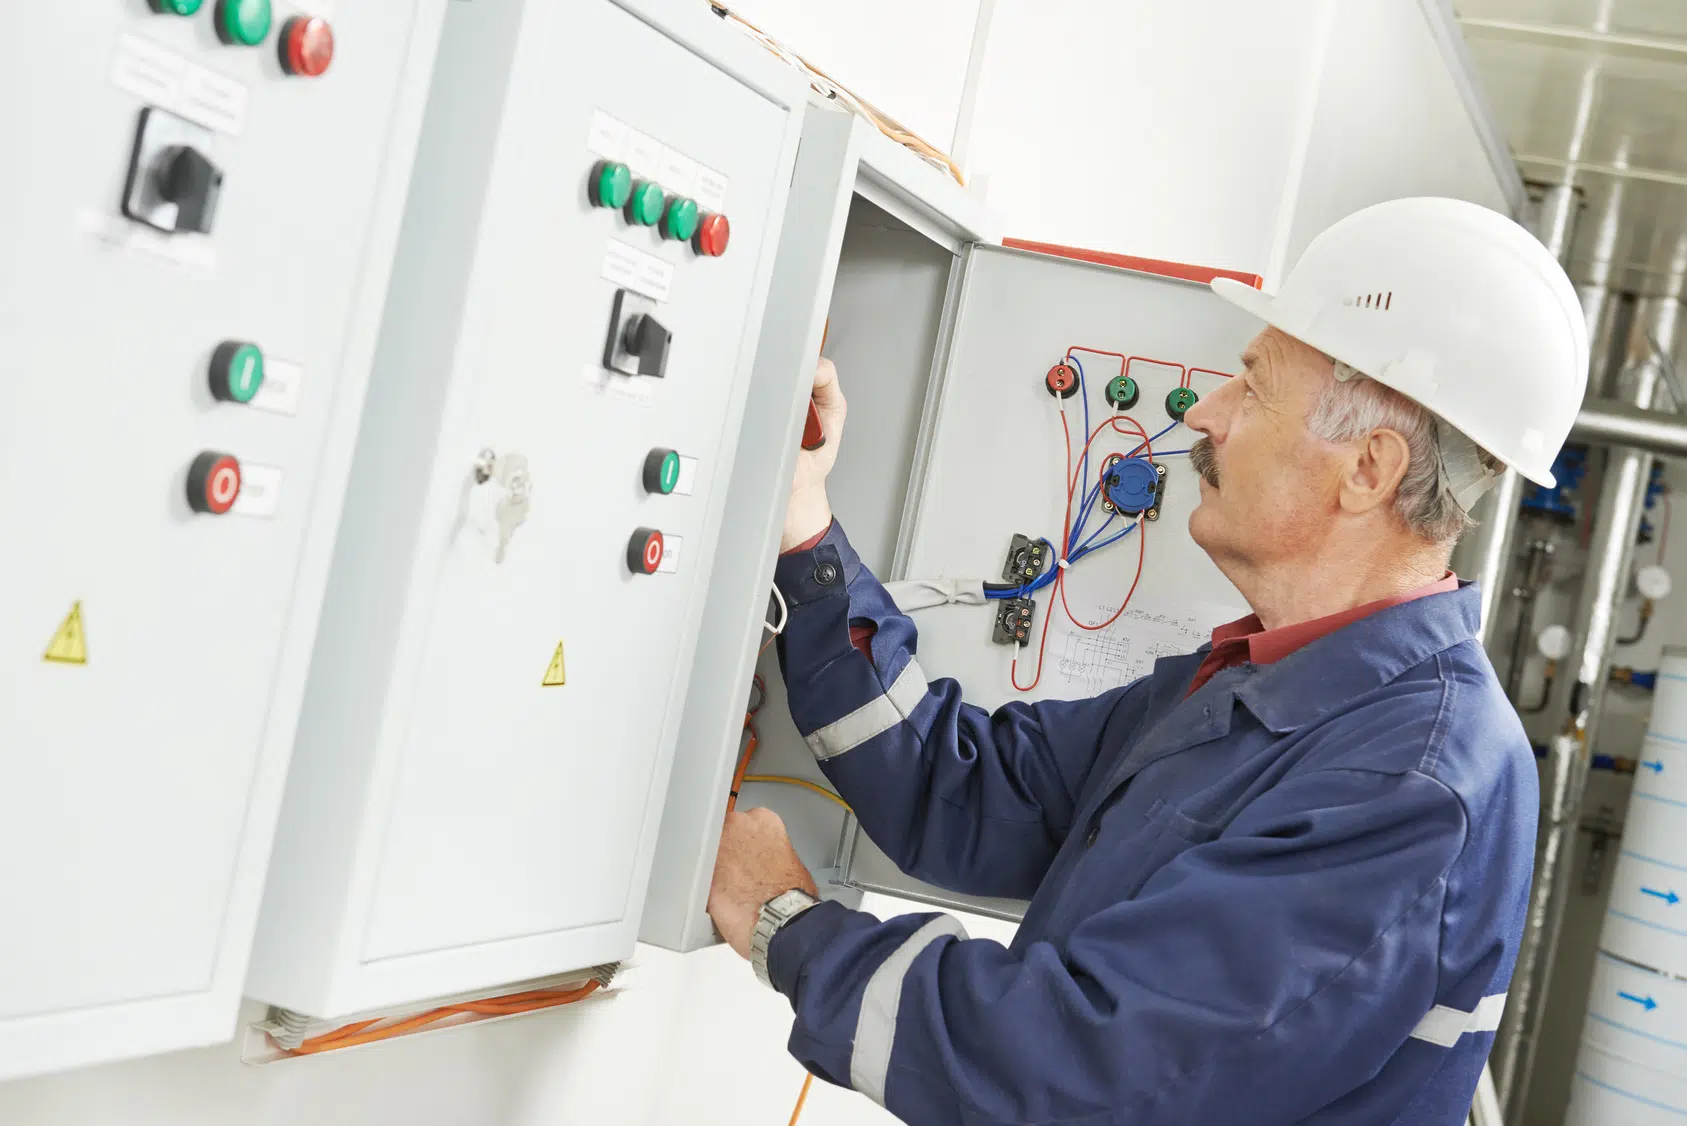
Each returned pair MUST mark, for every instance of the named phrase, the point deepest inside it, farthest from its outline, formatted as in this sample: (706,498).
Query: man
(1280,880)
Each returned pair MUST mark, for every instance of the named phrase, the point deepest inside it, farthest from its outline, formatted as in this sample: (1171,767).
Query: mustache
(1203,458)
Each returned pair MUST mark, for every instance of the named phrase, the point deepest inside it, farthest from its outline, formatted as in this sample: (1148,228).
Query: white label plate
(633,388)
(679,173)
(711,189)
(645,154)
(608,137)
(162,78)
(687,476)
(281,389)
(197,252)
(631,268)
(260,491)
(670,555)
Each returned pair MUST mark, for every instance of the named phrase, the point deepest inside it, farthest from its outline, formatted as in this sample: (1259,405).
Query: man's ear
(1373,472)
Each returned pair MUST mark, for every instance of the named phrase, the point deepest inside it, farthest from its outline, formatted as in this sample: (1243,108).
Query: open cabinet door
(993,463)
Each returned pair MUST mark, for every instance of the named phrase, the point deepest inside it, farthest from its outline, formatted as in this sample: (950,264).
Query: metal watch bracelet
(775,913)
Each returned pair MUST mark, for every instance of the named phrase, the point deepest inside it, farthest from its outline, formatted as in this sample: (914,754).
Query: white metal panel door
(140,771)
(521,810)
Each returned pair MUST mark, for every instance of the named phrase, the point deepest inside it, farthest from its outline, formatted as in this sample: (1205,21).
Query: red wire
(1141,555)
(1066,535)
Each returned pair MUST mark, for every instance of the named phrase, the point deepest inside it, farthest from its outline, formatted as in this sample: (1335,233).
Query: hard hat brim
(1264,306)
(1245,297)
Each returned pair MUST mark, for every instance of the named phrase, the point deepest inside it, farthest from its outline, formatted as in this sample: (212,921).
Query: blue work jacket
(1294,896)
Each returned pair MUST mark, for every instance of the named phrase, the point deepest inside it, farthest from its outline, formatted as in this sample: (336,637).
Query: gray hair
(1353,405)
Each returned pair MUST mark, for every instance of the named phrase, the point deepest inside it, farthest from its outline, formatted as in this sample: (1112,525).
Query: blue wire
(1173,453)
(1105,525)
(1084,512)
(1104,543)
(1084,394)
(1076,546)
(1156,438)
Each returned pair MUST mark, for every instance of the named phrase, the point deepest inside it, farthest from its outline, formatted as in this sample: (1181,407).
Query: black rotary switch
(649,340)
(188,179)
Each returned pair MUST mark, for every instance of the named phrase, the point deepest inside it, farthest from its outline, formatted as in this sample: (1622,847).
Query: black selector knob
(188,179)
(649,340)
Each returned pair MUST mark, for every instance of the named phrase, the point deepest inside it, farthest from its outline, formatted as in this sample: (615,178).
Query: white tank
(1632,1068)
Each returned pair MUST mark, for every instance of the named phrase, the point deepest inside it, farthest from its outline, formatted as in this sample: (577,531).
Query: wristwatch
(775,913)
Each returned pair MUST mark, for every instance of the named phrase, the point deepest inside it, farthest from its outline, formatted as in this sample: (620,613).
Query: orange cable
(743,767)
(802,1097)
(514,1004)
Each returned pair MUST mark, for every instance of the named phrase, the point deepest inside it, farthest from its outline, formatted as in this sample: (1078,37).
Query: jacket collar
(1303,687)
(1360,657)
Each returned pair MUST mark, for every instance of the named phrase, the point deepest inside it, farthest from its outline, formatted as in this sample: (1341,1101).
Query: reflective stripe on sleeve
(875,1030)
(1444,1026)
(873,718)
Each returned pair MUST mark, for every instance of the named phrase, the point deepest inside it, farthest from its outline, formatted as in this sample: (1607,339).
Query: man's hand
(809,513)
(756,863)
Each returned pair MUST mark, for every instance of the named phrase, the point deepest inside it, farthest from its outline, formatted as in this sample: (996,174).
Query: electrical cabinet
(198,228)
(534,505)
(954,444)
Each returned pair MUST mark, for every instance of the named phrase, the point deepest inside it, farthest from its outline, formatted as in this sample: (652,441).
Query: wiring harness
(1078,539)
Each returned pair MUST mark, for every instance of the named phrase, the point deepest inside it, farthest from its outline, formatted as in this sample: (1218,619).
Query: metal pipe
(1555,219)
(1537,573)
(1487,552)
(1611,422)
(1622,498)
(1485,1110)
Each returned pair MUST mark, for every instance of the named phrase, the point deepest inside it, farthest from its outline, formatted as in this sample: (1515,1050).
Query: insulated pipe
(1487,555)
(1622,499)
(1610,422)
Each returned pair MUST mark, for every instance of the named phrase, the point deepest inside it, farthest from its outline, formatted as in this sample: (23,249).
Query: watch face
(788,903)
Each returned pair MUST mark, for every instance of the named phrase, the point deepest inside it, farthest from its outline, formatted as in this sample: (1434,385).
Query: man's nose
(1204,415)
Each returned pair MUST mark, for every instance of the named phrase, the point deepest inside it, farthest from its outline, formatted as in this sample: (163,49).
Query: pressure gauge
(1554,642)
(1653,582)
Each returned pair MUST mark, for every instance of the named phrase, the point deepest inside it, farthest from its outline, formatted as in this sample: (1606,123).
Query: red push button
(307,46)
(644,553)
(713,233)
(213,483)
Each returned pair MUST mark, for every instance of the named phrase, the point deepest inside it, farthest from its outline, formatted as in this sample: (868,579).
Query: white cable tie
(784,613)
(1063,564)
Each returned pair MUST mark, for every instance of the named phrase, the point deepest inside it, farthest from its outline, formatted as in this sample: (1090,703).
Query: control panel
(535,504)
(197,232)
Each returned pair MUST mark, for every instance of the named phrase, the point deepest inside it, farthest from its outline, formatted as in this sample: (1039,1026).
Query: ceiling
(1594,93)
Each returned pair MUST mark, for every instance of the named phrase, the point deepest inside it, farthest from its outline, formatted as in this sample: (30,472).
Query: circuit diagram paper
(1083,662)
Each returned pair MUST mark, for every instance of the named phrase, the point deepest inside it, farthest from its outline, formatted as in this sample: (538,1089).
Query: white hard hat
(1452,305)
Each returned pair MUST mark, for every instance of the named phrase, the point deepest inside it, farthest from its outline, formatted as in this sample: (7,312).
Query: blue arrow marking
(1668,897)
(1654,767)
(1644,1002)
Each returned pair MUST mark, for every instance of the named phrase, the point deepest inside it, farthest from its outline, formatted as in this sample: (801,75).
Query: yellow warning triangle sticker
(68,646)
(557,674)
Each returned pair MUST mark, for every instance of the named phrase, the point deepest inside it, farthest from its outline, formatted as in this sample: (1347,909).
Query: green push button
(237,371)
(177,7)
(1122,393)
(243,23)
(661,472)
(646,204)
(680,220)
(1179,402)
(612,184)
